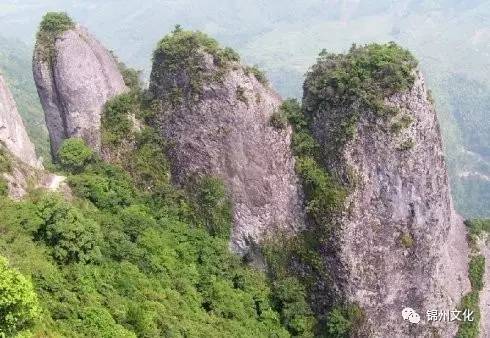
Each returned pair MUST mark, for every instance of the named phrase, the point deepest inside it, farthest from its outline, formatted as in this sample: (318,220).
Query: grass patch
(257,73)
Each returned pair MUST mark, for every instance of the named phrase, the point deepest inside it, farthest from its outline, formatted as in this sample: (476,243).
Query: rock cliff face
(399,242)
(12,131)
(75,76)
(215,114)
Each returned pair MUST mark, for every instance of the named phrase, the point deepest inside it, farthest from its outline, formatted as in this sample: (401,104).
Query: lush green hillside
(130,255)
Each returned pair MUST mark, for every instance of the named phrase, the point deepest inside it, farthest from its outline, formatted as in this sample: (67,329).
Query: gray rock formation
(12,131)
(400,244)
(225,131)
(75,77)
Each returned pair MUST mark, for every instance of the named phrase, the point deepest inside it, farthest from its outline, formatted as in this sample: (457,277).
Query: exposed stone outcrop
(399,242)
(12,131)
(223,129)
(484,249)
(75,76)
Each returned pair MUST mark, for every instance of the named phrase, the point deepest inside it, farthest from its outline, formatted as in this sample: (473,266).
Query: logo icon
(410,315)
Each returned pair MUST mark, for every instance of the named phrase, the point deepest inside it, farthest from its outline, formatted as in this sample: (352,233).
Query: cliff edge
(216,114)
(12,130)
(398,242)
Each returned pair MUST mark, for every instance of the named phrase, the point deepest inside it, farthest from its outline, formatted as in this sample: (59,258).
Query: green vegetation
(476,272)
(406,240)
(3,187)
(52,25)
(324,196)
(5,164)
(130,255)
(55,23)
(70,236)
(404,122)
(5,167)
(289,297)
(181,53)
(18,302)
(134,145)
(278,120)
(213,207)
(478,227)
(131,76)
(116,118)
(342,320)
(118,260)
(74,155)
(467,329)
(346,84)
(259,74)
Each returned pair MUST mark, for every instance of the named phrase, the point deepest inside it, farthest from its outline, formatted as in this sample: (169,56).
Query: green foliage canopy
(19,305)
(74,155)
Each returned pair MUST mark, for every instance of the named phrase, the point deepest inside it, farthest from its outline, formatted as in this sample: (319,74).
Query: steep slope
(75,76)
(16,67)
(20,168)
(12,131)
(216,116)
(397,243)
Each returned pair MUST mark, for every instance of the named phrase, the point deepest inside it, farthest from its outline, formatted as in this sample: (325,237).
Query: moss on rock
(183,52)
(52,26)
(347,85)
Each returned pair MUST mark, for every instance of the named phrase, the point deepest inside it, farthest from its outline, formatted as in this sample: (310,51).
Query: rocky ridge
(398,242)
(75,76)
(215,113)
(12,131)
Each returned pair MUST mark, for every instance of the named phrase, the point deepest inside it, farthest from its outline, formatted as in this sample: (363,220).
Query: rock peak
(12,131)
(401,243)
(75,76)
(216,115)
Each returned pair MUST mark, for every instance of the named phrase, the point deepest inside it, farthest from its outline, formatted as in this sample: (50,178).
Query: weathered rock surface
(22,177)
(400,244)
(484,247)
(227,133)
(74,84)
(12,131)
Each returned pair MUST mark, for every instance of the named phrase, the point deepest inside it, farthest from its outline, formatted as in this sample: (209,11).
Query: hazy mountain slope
(15,65)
